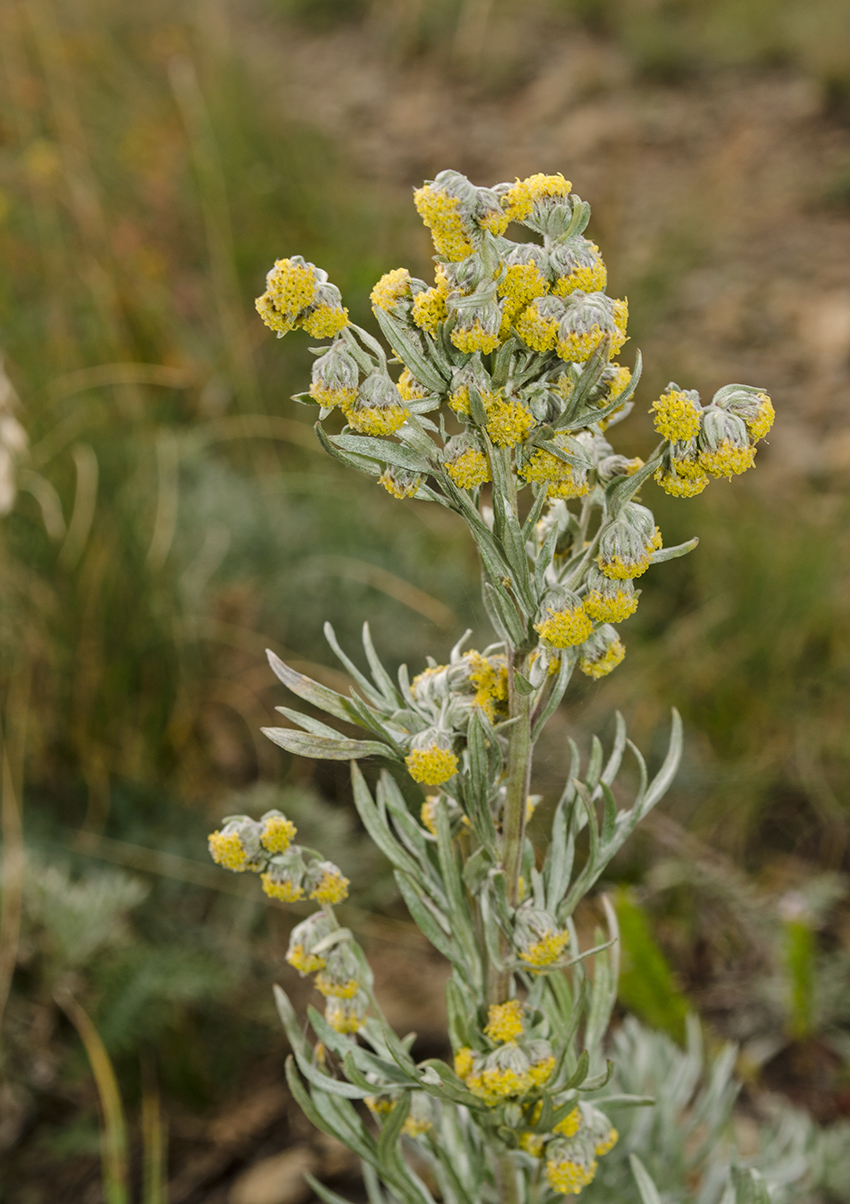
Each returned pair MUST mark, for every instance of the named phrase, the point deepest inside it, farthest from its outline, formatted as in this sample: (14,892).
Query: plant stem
(507,1180)
(516,795)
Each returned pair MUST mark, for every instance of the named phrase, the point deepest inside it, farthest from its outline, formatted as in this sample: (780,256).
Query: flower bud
(577,264)
(378,408)
(472,375)
(237,845)
(753,405)
(456,212)
(420,1118)
(478,321)
(291,287)
(588,318)
(601,652)
(677,414)
(326,883)
(304,939)
(326,316)
(538,940)
(564,622)
(607,600)
(724,443)
(431,760)
(541,1060)
(570,1164)
(339,977)
(346,1015)
(393,292)
(284,876)
(540,202)
(680,473)
(505,1021)
(523,278)
(400,482)
(598,1130)
(508,421)
(626,546)
(504,1072)
(409,387)
(334,377)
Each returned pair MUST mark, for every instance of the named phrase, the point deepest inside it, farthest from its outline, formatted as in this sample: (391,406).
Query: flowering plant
(501,412)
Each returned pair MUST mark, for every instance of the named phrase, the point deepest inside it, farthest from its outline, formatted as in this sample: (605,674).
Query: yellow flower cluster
(677,416)
(332,887)
(564,1175)
(727,458)
(537,328)
(278,834)
(392,288)
(490,681)
(505,1021)
(431,766)
(605,664)
(399,487)
(429,309)
(294,297)
(226,849)
(613,607)
(410,388)
(565,628)
(286,891)
(470,469)
(520,199)
(622,569)
(377,420)
(562,479)
(475,337)
(546,950)
(508,422)
(336,990)
(683,478)
(303,961)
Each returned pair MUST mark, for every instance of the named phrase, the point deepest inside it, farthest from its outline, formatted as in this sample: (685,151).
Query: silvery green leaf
(663,779)
(382,450)
(397,336)
(452,1087)
(594,765)
(615,760)
(646,1187)
(320,696)
(580,1073)
(458,1011)
(681,549)
(360,463)
(308,724)
(476,869)
(615,409)
(328,1084)
(500,604)
(305,1103)
(378,829)
(324,1193)
(626,1101)
(427,922)
(599,1080)
(391,1127)
(292,1028)
(521,684)
(533,516)
(374,696)
(569,659)
(603,994)
(323,748)
(750,1187)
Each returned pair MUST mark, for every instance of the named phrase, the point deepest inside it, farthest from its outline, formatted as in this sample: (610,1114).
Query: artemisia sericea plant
(497,399)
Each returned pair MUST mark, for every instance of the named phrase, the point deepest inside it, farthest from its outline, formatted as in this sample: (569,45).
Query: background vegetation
(174,516)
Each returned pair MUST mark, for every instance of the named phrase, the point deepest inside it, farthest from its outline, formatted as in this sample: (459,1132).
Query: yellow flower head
(759,425)
(334,377)
(578,266)
(428,813)
(463,1062)
(476,337)
(226,849)
(291,287)
(410,388)
(609,601)
(727,458)
(505,1021)
(508,422)
(597,661)
(346,1015)
(329,884)
(429,309)
(538,939)
(570,1124)
(392,288)
(520,199)
(546,950)
(278,833)
(607,1143)
(338,990)
(378,409)
(303,961)
(563,480)
(681,475)
(588,317)
(456,212)
(537,325)
(532,1143)
(489,677)
(326,319)
(565,621)
(285,890)
(431,765)
(677,414)
(565,1175)
(470,469)
(400,482)
(750,404)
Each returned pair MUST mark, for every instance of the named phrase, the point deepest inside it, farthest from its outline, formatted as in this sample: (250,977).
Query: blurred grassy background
(174,516)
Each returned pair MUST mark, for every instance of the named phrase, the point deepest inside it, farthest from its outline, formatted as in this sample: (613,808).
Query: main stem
(516,795)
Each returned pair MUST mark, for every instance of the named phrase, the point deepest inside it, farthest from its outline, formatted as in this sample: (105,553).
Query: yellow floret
(522,282)
(287,892)
(325,321)
(541,1071)
(332,888)
(607,608)
(763,421)
(565,628)
(390,289)
(303,962)
(590,279)
(378,420)
(494,221)
(463,1062)
(428,814)
(569,1177)
(432,766)
(547,469)
(520,199)
(505,1021)
(228,851)
(278,834)
(342,1019)
(570,1125)
(622,570)
(728,458)
(429,309)
(508,422)
(546,950)
(470,469)
(459,400)
(499,1082)
(474,338)
(677,417)
(577,347)
(415,1127)
(290,288)
(621,314)
(379,1105)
